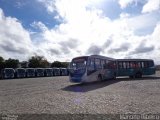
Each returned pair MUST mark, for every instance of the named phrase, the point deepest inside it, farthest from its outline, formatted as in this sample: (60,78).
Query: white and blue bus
(8,73)
(48,72)
(97,68)
(64,71)
(30,72)
(20,72)
(39,72)
(56,71)
(88,68)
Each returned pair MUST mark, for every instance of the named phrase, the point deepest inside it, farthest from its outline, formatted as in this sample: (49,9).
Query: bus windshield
(78,63)
(20,70)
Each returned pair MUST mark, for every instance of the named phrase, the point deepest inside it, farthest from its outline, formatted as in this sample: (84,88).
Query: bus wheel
(114,76)
(138,75)
(100,78)
(131,76)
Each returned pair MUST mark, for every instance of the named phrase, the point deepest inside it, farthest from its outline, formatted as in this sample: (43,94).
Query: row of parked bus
(33,72)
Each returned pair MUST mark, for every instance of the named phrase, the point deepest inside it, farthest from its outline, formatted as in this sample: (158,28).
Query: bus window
(142,64)
(91,66)
(97,63)
(151,64)
(124,65)
(139,64)
(120,65)
(132,65)
(145,64)
(127,64)
(102,63)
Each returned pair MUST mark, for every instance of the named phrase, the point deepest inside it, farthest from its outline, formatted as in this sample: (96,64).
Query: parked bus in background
(30,72)
(88,68)
(39,72)
(8,73)
(135,68)
(98,68)
(48,72)
(20,73)
(64,71)
(56,72)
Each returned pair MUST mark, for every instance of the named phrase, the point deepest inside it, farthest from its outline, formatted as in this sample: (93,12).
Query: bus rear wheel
(138,75)
(131,76)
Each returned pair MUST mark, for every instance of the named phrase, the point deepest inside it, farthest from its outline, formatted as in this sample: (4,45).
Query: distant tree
(44,63)
(11,63)
(2,63)
(56,64)
(38,61)
(65,64)
(59,64)
(24,64)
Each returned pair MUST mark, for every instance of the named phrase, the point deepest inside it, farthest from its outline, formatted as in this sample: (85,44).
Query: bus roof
(134,59)
(95,56)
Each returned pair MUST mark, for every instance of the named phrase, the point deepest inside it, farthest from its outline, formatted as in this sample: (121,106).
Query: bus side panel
(148,71)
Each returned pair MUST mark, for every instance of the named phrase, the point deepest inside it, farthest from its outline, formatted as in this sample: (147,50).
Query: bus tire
(138,75)
(100,77)
(131,76)
(114,76)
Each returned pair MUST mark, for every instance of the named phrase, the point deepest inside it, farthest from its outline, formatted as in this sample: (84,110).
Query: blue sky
(63,29)
(28,11)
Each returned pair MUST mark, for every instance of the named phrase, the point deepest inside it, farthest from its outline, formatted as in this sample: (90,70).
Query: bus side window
(91,65)
(102,63)
(139,65)
(124,65)
(145,64)
(120,65)
(97,63)
(142,64)
(127,64)
(132,64)
(151,64)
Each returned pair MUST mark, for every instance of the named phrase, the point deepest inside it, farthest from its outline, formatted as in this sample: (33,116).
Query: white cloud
(83,30)
(125,3)
(39,25)
(151,5)
(85,27)
(15,41)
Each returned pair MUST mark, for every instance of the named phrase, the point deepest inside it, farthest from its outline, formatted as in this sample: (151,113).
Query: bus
(98,68)
(39,72)
(88,68)
(56,72)
(8,73)
(20,72)
(30,72)
(64,71)
(135,68)
(48,72)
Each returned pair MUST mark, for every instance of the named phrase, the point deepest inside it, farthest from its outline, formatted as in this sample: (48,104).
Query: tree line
(33,62)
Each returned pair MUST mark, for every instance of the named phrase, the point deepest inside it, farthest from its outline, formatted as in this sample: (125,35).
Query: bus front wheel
(100,78)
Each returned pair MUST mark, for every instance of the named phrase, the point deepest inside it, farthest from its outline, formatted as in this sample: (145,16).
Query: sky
(64,29)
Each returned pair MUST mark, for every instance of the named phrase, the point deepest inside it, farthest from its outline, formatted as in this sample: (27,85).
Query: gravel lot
(56,95)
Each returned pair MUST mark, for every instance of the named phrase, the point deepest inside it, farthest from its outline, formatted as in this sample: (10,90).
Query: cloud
(94,49)
(15,41)
(151,5)
(123,48)
(83,30)
(95,33)
(39,25)
(143,48)
(125,3)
